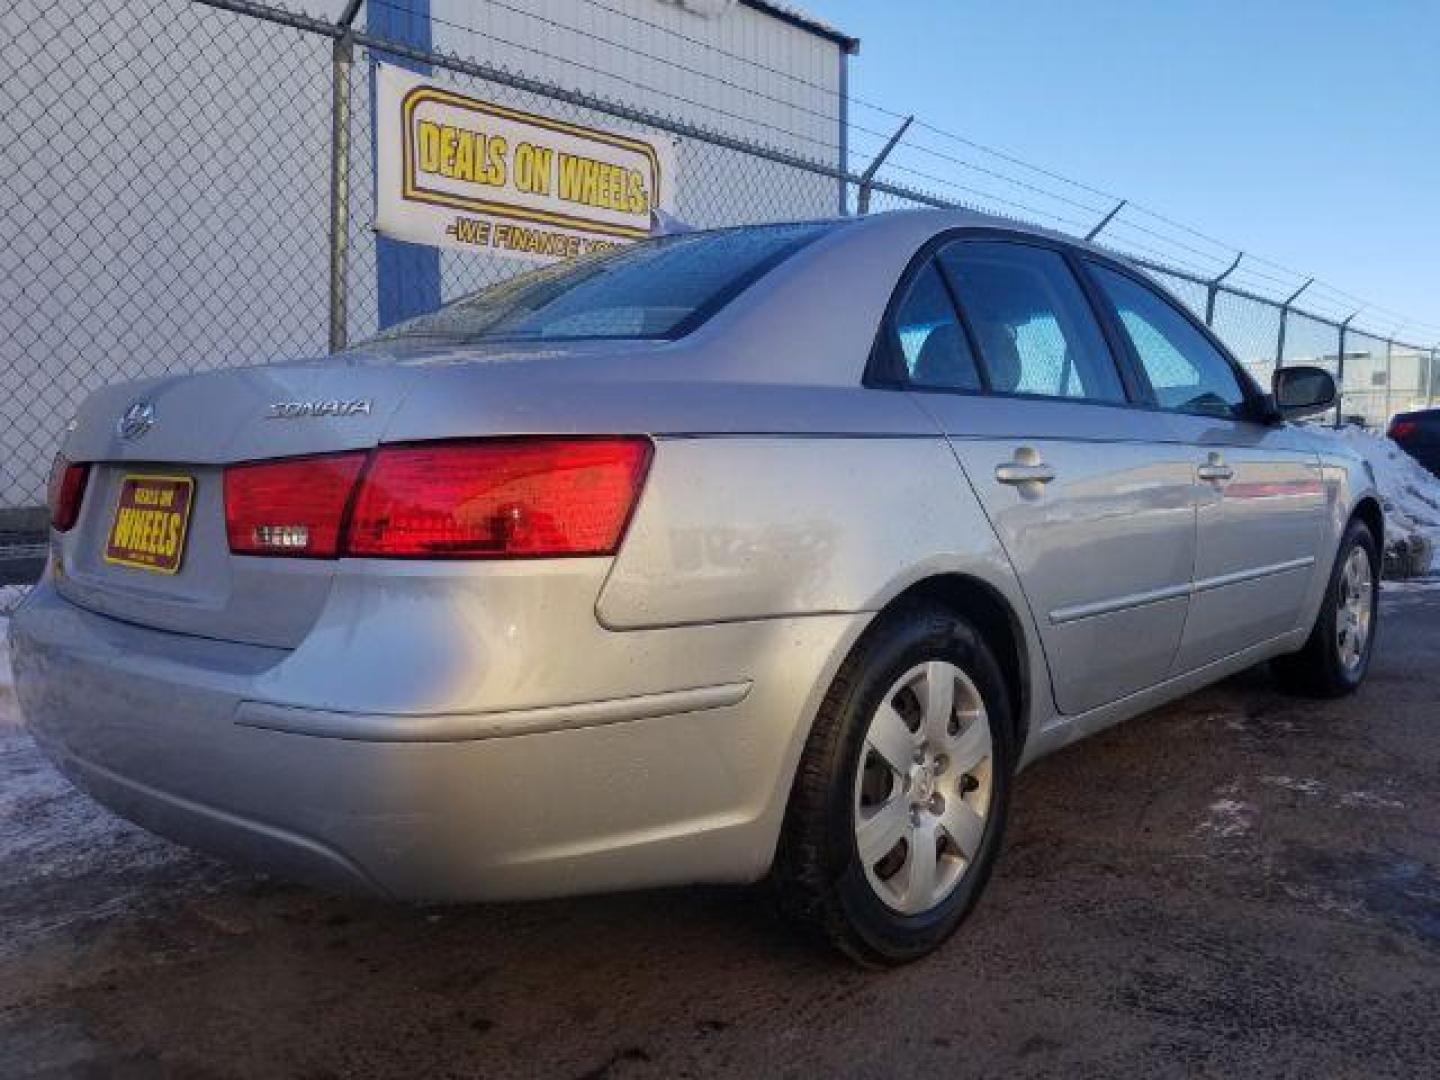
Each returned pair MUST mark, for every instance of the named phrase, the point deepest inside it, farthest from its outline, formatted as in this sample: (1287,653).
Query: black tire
(819,878)
(1317,670)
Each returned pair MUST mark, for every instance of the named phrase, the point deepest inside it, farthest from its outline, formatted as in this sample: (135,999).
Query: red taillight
(291,507)
(67,490)
(508,498)
(492,499)
(1402,429)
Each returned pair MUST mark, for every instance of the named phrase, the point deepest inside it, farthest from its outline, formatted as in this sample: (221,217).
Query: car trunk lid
(170,439)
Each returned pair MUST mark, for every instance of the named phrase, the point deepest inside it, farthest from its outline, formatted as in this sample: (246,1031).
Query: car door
(1093,505)
(1259,494)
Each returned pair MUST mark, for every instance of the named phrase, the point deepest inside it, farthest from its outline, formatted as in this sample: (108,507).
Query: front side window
(658,288)
(929,337)
(1187,372)
(1036,332)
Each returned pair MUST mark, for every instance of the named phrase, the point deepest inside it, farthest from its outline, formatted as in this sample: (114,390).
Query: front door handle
(1215,469)
(1026,468)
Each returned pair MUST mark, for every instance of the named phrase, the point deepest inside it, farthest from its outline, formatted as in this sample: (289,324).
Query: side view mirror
(1303,391)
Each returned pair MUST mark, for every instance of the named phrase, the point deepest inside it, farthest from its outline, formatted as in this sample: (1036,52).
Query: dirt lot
(1240,884)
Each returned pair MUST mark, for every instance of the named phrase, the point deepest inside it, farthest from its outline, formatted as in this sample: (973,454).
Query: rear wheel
(1336,656)
(901,795)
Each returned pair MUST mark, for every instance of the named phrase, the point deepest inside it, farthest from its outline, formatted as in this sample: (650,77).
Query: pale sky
(1305,132)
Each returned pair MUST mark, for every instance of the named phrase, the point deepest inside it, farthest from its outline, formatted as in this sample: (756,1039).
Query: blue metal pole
(844,131)
(407,275)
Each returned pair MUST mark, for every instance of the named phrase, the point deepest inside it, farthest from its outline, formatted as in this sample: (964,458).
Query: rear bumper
(618,791)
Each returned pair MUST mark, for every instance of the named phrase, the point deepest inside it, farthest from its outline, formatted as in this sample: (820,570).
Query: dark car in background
(1418,434)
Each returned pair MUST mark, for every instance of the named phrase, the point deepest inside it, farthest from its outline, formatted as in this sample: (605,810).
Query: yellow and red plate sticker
(151,517)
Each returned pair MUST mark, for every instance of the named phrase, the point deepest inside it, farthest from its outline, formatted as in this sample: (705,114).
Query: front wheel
(1336,656)
(901,795)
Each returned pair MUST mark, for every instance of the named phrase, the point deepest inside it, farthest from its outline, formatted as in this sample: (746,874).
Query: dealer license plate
(151,517)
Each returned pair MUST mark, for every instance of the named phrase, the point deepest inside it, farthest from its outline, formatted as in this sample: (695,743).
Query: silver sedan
(771,551)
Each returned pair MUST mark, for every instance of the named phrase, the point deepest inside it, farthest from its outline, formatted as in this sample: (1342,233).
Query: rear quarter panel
(784,527)
(754,527)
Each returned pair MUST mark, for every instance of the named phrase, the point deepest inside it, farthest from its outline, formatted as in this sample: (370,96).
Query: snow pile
(1411,496)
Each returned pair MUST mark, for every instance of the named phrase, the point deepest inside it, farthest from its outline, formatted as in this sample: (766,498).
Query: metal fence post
(1100,225)
(1389,375)
(1213,286)
(1340,370)
(1285,317)
(844,148)
(862,201)
(343,60)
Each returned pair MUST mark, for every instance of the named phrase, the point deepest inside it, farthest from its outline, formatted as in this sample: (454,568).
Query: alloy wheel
(1356,604)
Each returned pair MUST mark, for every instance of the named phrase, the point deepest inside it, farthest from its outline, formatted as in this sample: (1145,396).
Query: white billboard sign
(458,171)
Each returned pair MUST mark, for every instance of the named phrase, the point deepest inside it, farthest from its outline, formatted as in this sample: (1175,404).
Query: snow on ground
(1412,502)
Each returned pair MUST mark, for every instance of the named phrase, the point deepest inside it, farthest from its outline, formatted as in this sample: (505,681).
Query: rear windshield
(661,288)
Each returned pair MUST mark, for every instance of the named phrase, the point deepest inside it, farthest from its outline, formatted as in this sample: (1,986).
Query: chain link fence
(166,204)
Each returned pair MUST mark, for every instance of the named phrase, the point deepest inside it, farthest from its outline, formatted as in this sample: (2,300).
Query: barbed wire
(1159,226)
(990,197)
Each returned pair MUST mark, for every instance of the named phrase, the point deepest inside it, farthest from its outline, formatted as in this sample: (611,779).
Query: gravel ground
(1239,884)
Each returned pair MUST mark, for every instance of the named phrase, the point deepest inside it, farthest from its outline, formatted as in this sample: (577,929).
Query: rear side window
(1187,373)
(929,337)
(1036,332)
(660,288)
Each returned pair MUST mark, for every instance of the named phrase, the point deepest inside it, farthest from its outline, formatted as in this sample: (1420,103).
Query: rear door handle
(1011,473)
(1026,468)
(1215,469)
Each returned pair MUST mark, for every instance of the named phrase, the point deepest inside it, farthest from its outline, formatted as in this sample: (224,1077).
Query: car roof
(937,220)
(798,314)
(904,224)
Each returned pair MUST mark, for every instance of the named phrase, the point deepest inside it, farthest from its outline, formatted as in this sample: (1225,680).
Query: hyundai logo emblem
(136,420)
